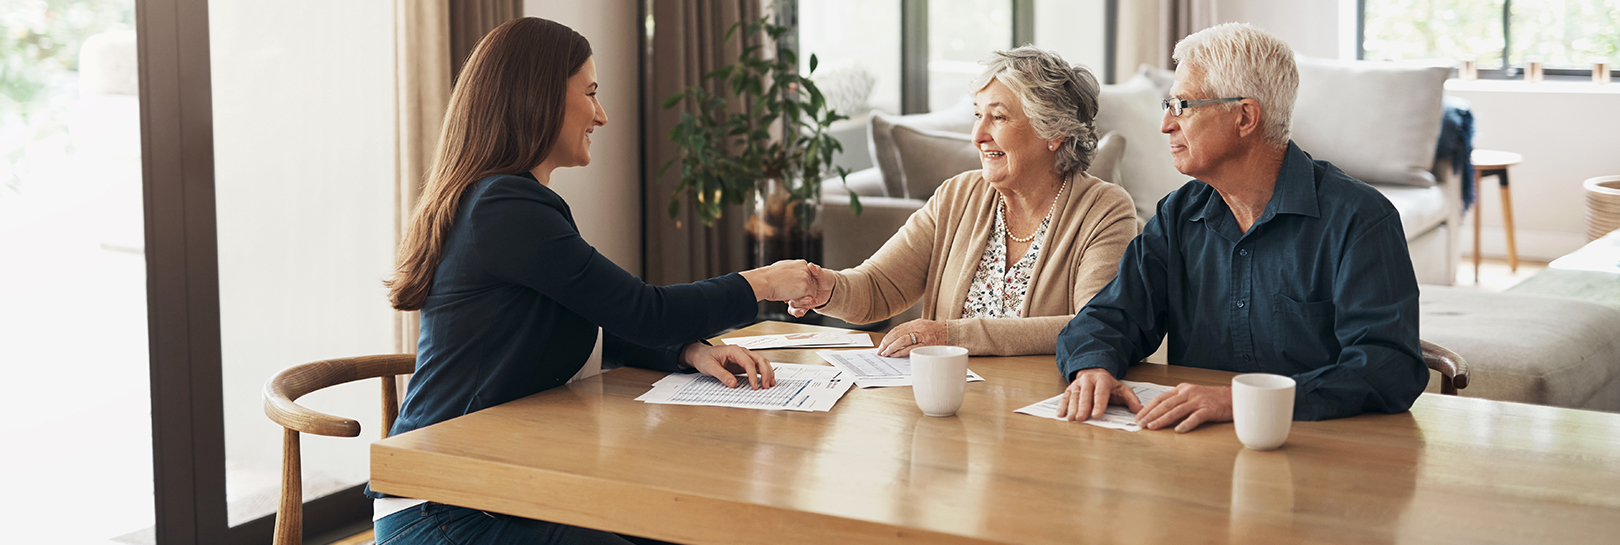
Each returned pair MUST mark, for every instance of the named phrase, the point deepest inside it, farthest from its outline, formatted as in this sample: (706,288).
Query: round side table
(1495,163)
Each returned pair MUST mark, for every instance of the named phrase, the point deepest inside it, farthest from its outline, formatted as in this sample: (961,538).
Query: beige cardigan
(936,254)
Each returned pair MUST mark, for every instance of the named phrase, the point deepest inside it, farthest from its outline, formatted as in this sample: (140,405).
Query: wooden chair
(1453,369)
(280,394)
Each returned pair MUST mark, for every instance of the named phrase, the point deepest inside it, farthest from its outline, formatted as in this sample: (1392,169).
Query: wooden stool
(1495,163)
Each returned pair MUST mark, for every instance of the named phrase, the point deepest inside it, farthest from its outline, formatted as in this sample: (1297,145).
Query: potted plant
(772,152)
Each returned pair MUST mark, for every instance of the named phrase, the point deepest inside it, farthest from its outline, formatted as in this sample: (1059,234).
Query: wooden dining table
(874,469)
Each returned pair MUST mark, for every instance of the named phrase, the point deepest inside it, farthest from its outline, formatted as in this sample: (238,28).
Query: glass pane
(78,447)
(1075,29)
(303,96)
(1448,30)
(960,34)
(857,44)
(1565,33)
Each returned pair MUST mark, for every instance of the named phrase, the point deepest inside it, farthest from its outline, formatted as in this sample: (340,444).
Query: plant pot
(784,223)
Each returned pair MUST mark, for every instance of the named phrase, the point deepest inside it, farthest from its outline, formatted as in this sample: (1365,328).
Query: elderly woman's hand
(819,295)
(900,340)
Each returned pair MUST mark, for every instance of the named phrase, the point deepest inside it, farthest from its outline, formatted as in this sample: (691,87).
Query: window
(920,55)
(1567,36)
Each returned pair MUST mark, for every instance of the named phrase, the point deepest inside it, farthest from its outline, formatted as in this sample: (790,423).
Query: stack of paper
(873,371)
(820,339)
(1117,417)
(798,388)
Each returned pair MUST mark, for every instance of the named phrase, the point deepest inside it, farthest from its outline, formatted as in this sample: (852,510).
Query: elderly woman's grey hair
(1060,100)
(1240,60)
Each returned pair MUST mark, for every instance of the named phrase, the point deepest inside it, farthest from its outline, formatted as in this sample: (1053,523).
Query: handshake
(803,285)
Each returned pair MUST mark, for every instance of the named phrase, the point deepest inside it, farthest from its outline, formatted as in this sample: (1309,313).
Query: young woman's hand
(822,281)
(781,281)
(725,362)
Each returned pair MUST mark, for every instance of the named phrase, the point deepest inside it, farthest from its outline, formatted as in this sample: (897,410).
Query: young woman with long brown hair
(511,296)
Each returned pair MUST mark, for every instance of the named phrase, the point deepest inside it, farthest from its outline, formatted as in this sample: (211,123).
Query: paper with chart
(798,388)
(1117,416)
(873,371)
(817,339)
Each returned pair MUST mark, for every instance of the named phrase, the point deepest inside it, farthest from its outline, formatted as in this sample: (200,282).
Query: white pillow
(1377,121)
(1147,172)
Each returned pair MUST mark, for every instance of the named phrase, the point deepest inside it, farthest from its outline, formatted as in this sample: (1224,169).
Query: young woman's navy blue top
(516,299)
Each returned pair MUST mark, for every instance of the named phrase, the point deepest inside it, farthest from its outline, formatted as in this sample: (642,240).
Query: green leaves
(753,119)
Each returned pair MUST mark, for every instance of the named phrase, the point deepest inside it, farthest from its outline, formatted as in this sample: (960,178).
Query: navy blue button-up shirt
(1320,288)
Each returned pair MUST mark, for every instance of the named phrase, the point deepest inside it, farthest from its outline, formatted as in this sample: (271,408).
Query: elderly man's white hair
(1239,60)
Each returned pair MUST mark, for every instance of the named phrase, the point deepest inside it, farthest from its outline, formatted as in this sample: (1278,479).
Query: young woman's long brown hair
(504,116)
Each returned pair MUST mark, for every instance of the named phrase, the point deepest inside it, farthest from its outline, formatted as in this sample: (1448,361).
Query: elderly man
(1267,262)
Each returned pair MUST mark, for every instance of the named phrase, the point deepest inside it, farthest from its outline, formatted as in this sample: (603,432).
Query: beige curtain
(684,41)
(431,39)
(470,20)
(1179,18)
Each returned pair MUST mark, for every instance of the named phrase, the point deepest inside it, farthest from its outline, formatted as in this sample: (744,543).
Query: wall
(1565,130)
(606,196)
(1310,26)
(1566,133)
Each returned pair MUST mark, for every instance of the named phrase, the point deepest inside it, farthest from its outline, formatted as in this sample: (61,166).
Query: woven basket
(1602,206)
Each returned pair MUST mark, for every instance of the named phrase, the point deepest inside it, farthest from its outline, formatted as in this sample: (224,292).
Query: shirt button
(1244,252)
(1242,304)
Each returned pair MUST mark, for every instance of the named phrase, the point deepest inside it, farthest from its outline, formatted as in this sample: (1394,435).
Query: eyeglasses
(1176,105)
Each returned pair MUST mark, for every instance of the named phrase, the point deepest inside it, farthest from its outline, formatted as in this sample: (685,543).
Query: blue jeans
(439,524)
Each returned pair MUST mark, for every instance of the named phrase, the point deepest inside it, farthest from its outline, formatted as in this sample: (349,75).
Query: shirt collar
(1293,193)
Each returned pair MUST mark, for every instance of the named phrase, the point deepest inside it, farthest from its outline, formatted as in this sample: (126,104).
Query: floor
(1494,274)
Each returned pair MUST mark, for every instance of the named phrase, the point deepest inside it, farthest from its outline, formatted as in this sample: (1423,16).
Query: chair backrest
(1110,149)
(281,393)
(1453,369)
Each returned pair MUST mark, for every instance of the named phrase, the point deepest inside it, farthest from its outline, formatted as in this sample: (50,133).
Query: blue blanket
(1457,144)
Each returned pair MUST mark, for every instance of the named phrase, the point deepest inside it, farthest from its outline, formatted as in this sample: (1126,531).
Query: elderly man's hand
(1090,394)
(1187,406)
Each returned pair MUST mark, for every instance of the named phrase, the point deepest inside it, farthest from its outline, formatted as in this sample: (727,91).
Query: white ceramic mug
(1262,409)
(939,378)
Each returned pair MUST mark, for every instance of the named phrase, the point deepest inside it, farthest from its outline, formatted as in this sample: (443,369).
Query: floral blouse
(997,290)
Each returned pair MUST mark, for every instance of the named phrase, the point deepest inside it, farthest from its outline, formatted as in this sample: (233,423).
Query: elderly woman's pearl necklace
(1003,202)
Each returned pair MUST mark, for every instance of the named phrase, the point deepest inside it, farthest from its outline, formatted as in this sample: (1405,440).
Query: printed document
(1117,416)
(819,339)
(798,388)
(873,371)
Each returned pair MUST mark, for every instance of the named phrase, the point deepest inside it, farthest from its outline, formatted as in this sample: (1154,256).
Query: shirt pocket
(1302,332)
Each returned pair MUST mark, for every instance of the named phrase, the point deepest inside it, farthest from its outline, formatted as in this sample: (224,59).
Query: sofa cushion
(1378,121)
(958,118)
(928,158)
(1531,349)
(867,182)
(1133,109)
(1421,208)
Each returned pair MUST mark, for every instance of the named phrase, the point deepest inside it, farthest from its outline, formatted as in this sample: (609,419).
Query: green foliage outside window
(39,57)
(1561,33)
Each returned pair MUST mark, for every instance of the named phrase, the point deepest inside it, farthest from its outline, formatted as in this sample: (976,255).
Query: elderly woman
(1004,256)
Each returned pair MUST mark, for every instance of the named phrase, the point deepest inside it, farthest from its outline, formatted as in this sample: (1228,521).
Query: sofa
(1377,121)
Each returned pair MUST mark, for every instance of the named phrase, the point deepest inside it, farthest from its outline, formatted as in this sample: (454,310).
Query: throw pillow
(958,118)
(931,157)
(1146,172)
(1377,121)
